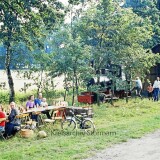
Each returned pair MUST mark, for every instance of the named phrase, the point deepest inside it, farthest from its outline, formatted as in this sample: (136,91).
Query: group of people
(153,91)
(10,124)
(38,102)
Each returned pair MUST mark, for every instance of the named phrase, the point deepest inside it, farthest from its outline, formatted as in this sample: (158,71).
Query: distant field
(19,82)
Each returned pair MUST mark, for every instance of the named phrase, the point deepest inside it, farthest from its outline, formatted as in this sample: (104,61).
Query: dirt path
(145,148)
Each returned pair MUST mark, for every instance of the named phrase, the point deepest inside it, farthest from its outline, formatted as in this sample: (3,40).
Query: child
(44,103)
(150,90)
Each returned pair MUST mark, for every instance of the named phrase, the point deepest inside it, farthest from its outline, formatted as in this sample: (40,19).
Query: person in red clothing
(2,119)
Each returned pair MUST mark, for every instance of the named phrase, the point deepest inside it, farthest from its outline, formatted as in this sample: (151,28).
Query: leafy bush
(21,97)
(4,97)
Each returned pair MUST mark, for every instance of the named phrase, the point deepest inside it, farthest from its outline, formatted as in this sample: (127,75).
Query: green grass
(114,124)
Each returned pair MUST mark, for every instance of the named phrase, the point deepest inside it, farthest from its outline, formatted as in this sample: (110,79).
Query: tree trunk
(73,95)
(76,83)
(112,90)
(65,94)
(98,100)
(127,89)
(73,89)
(128,80)
(66,87)
(9,76)
(127,94)
(98,78)
(39,89)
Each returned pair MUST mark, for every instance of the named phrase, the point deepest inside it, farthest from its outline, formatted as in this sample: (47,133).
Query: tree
(148,9)
(117,36)
(70,58)
(25,21)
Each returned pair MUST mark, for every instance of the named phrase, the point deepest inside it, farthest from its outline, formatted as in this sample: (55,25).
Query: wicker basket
(26,133)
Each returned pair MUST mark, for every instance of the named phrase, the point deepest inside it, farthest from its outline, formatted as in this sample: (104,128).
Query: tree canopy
(26,21)
(104,32)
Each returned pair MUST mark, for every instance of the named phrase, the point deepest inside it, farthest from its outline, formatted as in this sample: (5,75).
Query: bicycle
(78,121)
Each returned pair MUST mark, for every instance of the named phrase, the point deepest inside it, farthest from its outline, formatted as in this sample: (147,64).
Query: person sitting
(29,105)
(44,103)
(38,102)
(2,119)
(12,123)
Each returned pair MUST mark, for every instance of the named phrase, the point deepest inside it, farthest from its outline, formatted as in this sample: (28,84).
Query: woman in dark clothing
(12,123)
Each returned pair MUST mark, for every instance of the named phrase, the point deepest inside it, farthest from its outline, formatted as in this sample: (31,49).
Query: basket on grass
(26,133)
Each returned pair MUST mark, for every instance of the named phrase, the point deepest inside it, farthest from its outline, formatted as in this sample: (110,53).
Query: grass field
(114,124)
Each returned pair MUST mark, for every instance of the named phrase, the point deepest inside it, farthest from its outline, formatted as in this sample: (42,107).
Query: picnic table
(57,113)
(40,109)
(53,108)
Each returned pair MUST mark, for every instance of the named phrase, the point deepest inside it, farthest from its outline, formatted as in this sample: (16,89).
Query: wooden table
(77,110)
(40,109)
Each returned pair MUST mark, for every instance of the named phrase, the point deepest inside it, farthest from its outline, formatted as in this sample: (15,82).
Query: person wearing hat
(150,91)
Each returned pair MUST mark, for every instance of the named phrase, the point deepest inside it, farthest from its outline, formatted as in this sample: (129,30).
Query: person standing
(156,87)
(138,86)
(150,91)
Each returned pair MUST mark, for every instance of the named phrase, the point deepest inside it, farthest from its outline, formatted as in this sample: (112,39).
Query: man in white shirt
(138,86)
(156,87)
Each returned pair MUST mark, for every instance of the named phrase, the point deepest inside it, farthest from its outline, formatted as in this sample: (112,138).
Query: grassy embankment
(113,125)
